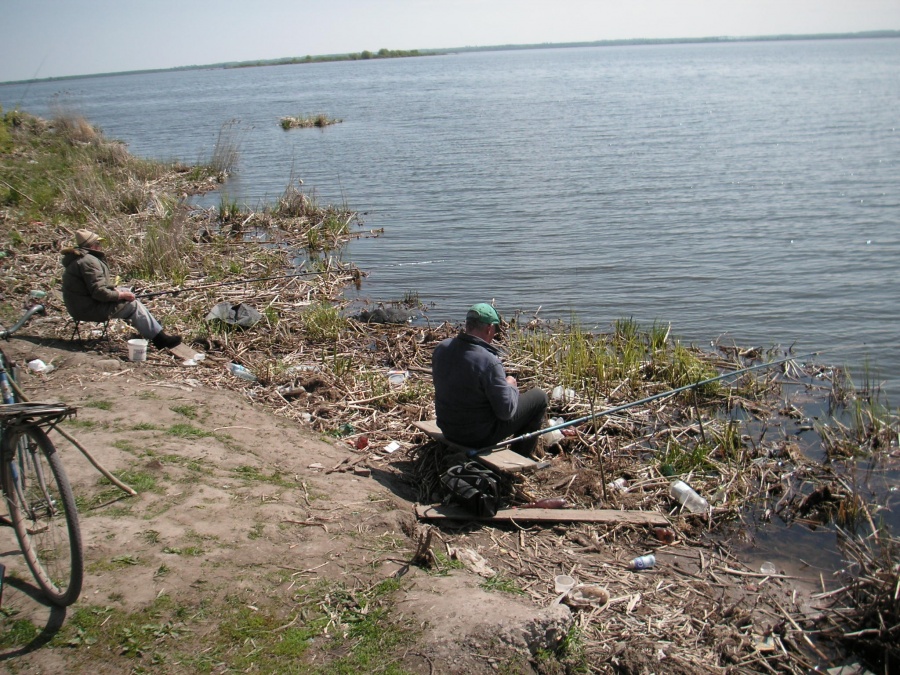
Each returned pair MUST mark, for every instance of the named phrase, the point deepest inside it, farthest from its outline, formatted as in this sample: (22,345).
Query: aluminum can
(643,562)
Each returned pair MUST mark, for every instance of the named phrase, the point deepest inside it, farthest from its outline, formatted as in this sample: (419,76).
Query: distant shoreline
(384,53)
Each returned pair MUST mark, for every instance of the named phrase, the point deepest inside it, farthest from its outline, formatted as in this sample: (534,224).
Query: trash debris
(562,395)
(393,446)
(236,315)
(563,583)
(397,377)
(643,562)
(39,366)
(239,371)
(684,494)
(664,534)
(587,595)
(619,484)
(472,560)
(768,568)
(548,503)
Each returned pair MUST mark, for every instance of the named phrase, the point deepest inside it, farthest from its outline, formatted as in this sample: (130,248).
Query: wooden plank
(506,460)
(608,516)
(183,351)
(499,460)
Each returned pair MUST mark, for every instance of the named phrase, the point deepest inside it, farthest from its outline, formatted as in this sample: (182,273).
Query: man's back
(471,391)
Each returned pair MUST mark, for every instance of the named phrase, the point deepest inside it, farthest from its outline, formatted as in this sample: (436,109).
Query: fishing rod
(648,399)
(355,273)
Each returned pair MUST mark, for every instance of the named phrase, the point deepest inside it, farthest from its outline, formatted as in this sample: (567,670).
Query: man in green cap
(476,402)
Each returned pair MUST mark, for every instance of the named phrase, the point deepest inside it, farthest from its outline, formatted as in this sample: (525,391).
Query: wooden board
(608,516)
(183,351)
(499,460)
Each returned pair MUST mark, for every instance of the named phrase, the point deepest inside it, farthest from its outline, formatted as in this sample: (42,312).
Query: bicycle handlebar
(36,309)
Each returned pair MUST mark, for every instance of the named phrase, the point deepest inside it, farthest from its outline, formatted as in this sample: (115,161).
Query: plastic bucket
(137,350)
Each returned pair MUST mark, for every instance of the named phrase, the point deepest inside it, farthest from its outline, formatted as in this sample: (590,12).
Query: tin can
(643,562)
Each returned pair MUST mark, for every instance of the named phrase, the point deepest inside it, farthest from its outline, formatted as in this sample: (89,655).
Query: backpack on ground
(474,487)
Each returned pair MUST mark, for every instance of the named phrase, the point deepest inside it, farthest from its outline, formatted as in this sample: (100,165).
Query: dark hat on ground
(86,238)
(483,313)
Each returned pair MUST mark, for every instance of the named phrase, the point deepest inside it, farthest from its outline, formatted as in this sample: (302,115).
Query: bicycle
(37,492)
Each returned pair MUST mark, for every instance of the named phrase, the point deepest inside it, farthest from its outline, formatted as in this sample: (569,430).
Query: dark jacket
(88,289)
(471,394)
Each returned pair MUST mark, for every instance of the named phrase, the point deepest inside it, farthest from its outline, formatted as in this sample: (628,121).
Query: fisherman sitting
(476,402)
(90,294)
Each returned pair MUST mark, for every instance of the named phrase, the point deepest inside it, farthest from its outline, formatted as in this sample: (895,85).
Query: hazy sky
(46,38)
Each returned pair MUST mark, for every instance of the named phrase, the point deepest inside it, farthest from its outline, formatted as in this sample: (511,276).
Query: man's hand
(127,296)
(511,381)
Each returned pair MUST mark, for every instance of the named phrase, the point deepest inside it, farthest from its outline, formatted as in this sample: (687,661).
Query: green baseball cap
(484,313)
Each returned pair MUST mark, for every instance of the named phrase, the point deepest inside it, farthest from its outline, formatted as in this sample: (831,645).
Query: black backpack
(474,487)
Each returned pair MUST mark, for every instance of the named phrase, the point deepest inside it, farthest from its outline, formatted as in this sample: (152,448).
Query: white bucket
(137,350)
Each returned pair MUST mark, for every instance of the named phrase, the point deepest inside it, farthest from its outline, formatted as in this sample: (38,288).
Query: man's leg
(529,417)
(140,318)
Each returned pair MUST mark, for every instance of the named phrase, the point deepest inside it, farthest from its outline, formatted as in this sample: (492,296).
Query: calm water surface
(746,191)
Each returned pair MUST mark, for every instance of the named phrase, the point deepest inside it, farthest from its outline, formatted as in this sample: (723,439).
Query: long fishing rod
(648,399)
(175,291)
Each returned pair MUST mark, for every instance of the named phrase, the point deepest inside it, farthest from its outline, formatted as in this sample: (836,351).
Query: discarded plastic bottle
(241,372)
(684,494)
(643,562)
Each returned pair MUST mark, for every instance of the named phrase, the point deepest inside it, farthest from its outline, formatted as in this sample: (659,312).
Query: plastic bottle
(241,372)
(684,494)
(643,562)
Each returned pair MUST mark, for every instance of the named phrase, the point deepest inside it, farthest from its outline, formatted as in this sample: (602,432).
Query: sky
(53,38)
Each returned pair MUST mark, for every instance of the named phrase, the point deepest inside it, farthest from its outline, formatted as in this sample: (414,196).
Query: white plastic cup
(137,350)
(563,583)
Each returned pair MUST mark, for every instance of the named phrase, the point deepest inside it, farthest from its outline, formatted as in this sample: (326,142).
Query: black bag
(474,487)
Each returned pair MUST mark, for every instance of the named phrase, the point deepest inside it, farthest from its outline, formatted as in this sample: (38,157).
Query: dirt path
(241,550)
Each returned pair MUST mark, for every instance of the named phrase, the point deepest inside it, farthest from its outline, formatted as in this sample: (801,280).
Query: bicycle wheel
(42,508)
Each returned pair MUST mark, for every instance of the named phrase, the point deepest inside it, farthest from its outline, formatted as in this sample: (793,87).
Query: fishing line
(648,399)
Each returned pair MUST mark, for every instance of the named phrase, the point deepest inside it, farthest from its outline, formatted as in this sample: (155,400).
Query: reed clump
(320,120)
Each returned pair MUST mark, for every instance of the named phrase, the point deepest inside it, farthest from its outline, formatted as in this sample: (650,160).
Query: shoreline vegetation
(384,53)
(734,442)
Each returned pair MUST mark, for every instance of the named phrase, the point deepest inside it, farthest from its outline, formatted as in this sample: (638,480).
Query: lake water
(744,190)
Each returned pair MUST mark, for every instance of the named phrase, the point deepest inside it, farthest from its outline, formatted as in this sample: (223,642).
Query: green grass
(16,632)
(189,411)
(183,430)
(348,631)
(501,584)
(100,405)
(323,322)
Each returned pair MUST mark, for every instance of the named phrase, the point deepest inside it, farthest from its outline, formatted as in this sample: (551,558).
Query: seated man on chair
(90,293)
(476,402)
